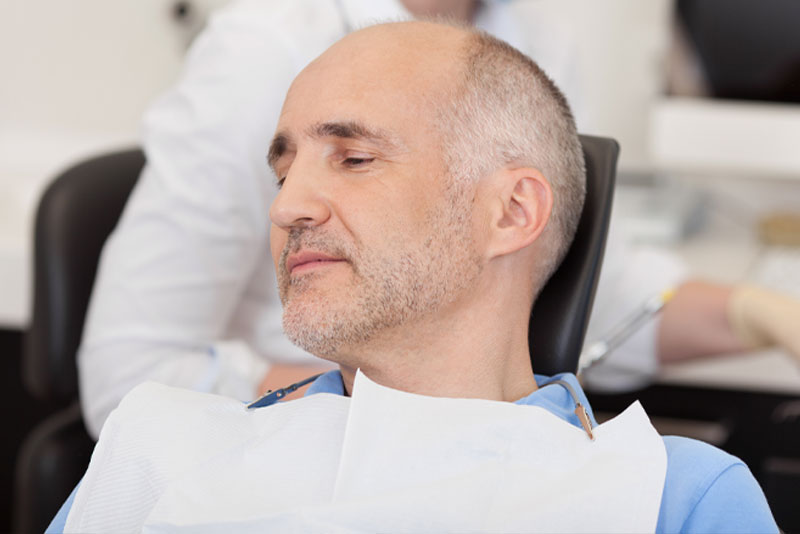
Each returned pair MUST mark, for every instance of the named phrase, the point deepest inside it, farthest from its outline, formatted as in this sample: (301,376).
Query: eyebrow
(349,130)
(341,129)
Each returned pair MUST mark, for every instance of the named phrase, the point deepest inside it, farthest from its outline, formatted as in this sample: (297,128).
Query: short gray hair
(506,111)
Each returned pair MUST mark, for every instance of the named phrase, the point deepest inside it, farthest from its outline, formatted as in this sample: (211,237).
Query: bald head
(415,61)
(418,40)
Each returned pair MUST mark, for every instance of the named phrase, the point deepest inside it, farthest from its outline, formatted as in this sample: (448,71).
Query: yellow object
(780,229)
(667,295)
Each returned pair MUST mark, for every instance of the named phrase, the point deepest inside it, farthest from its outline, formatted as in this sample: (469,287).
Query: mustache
(318,240)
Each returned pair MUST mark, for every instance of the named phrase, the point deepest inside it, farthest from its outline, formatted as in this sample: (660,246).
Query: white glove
(762,318)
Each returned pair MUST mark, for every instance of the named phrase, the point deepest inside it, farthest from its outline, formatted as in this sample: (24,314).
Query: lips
(303,260)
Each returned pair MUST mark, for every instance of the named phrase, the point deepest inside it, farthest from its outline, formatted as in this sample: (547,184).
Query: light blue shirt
(705,489)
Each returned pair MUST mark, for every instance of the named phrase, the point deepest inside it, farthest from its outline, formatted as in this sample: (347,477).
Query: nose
(301,201)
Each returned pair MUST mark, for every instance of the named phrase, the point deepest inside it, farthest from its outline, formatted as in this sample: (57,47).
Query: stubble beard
(383,291)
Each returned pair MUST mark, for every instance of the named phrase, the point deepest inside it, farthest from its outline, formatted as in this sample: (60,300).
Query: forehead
(380,76)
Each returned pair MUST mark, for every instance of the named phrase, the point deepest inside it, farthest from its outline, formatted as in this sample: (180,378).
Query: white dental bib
(172,460)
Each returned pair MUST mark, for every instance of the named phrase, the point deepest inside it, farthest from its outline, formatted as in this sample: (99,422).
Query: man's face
(369,232)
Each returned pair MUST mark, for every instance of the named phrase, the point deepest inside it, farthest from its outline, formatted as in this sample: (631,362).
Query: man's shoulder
(707,489)
(696,459)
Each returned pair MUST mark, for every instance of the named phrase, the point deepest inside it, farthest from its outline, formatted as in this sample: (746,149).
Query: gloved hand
(761,318)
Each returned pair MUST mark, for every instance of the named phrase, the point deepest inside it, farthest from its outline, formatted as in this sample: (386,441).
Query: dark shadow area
(748,50)
(20,412)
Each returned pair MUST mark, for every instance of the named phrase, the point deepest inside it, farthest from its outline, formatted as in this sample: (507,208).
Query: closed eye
(357,162)
(351,163)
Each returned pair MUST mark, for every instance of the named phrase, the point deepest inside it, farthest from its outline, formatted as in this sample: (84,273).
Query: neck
(467,350)
(460,10)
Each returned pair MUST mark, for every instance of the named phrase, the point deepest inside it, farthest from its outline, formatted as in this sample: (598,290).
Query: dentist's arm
(707,319)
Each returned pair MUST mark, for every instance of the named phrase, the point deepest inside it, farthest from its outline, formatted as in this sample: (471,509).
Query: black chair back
(76,213)
(561,313)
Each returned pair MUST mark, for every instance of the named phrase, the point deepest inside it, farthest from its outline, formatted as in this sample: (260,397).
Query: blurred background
(703,96)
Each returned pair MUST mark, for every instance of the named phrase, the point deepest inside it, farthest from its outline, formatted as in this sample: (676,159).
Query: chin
(315,332)
(325,332)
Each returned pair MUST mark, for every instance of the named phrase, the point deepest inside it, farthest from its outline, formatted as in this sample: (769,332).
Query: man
(193,310)
(422,168)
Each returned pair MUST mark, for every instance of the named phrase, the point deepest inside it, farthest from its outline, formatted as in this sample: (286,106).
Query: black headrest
(561,313)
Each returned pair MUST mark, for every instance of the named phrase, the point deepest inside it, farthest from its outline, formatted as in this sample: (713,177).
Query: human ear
(520,211)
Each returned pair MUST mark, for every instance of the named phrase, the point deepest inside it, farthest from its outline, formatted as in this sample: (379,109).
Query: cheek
(399,224)
(277,240)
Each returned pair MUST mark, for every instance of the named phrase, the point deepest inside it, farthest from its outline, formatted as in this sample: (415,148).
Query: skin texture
(412,287)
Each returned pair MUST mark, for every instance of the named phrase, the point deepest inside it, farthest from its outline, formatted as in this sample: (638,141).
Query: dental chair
(80,209)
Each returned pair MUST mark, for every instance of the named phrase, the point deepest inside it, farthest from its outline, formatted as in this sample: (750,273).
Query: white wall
(75,77)
(86,64)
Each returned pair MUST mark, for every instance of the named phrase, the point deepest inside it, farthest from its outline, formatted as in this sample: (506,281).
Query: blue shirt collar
(553,397)
(330,382)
